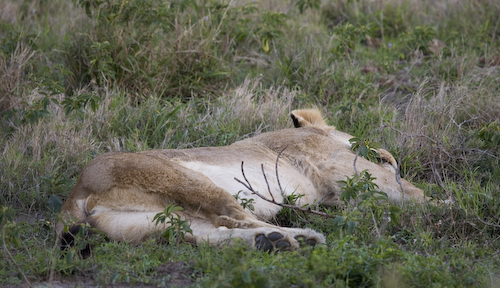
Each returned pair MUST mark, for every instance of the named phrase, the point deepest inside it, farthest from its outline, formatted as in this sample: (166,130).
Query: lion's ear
(307,117)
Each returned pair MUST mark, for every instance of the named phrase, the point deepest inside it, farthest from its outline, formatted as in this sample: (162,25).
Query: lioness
(120,193)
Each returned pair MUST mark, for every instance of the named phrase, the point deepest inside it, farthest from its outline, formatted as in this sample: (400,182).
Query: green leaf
(69,257)
(350,227)
(55,203)
(245,275)
(495,140)
(363,151)
(265,44)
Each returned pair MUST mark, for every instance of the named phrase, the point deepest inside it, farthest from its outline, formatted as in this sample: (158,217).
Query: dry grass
(61,145)
(11,75)
(438,122)
(196,84)
(250,103)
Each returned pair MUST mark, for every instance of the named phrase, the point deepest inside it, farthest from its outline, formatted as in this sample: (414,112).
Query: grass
(419,78)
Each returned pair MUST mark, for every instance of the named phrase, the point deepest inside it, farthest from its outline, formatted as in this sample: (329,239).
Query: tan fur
(119,193)
(309,117)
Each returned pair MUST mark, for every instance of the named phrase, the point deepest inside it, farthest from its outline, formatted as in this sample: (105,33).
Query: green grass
(137,75)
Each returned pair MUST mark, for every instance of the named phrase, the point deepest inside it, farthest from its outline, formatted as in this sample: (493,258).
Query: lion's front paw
(287,240)
(305,241)
(273,241)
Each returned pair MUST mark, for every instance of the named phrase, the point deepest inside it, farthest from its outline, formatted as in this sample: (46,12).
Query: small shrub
(347,37)
(367,149)
(490,134)
(363,200)
(419,39)
(178,227)
(304,5)
(289,217)
(245,202)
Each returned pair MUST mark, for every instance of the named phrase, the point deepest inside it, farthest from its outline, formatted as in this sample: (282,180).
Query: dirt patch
(170,274)
(178,273)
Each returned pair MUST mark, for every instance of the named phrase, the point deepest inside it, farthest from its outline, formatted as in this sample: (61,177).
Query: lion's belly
(224,177)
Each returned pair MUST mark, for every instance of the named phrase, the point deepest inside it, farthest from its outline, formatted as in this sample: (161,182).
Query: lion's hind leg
(267,238)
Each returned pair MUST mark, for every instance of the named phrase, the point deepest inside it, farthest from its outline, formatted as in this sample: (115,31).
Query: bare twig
(276,168)
(487,223)
(483,152)
(265,178)
(321,200)
(356,157)
(250,188)
(375,224)
(397,173)
(439,180)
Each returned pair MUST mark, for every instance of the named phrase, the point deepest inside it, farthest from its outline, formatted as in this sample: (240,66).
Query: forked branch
(272,200)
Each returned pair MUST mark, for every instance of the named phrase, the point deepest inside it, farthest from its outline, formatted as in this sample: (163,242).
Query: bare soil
(170,274)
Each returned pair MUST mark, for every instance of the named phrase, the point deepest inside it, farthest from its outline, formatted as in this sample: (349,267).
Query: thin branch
(398,176)
(321,200)
(276,168)
(439,179)
(356,157)
(265,178)
(483,152)
(489,224)
(249,187)
(375,224)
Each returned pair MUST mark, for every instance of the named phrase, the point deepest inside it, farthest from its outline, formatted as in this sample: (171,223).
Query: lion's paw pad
(273,241)
(304,241)
(282,245)
(275,236)
(262,243)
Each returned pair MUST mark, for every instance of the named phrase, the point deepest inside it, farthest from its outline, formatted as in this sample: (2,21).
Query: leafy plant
(10,236)
(10,233)
(269,30)
(288,216)
(347,36)
(293,198)
(303,5)
(359,186)
(195,40)
(80,102)
(178,227)
(236,266)
(36,111)
(361,191)
(419,39)
(245,202)
(490,134)
(348,222)
(367,149)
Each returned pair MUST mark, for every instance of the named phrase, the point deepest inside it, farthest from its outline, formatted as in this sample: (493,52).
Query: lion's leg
(120,194)
(268,238)
(135,227)
(137,180)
